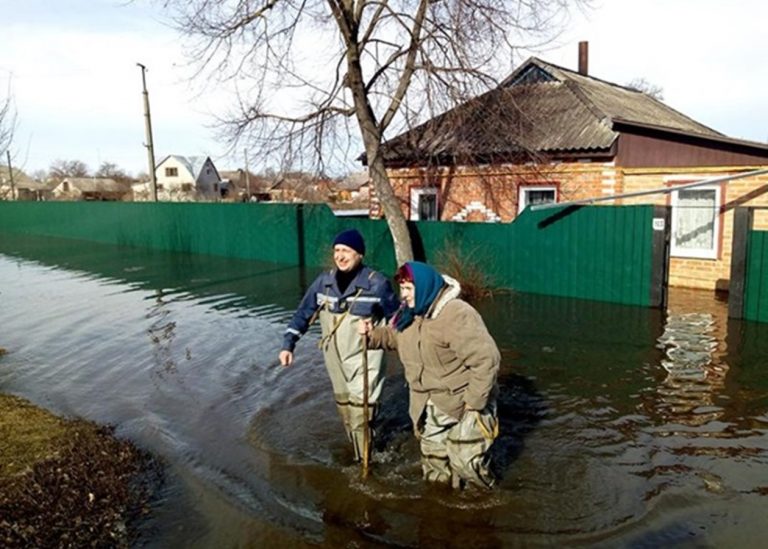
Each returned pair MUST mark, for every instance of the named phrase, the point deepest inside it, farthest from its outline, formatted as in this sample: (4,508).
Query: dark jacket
(369,295)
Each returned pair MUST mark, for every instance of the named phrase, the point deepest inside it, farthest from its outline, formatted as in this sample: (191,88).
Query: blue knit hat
(351,238)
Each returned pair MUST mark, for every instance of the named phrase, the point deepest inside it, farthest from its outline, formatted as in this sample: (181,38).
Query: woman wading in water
(451,363)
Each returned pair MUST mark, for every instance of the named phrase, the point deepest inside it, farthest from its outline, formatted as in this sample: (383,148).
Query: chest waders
(457,452)
(342,349)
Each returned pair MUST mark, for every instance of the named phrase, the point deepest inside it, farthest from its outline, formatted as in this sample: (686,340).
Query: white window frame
(697,253)
(522,193)
(416,194)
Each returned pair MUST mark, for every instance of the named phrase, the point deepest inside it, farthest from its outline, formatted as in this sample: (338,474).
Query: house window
(424,204)
(171,172)
(186,187)
(695,222)
(531,195)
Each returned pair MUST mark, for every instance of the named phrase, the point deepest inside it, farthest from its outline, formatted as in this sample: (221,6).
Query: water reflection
(161,333)
(223,283)
(694,378)
(620,426)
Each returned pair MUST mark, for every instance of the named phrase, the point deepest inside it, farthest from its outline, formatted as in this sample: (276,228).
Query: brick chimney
(584,58)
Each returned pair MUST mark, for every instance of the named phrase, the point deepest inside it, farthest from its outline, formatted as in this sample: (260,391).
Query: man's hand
(364,326)
(286,358)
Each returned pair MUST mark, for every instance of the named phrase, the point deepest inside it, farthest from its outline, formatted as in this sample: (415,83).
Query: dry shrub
(466,266)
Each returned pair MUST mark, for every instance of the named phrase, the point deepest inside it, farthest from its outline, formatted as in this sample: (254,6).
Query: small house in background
(23,188)
(246,186)
(355,187)
(550,134)
(32,190)
(183,178)
(91,188)
(350,196)
(300,187)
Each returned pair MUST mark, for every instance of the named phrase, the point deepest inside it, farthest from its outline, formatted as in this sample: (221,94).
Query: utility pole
(148,132)
(10,174)
(247,175)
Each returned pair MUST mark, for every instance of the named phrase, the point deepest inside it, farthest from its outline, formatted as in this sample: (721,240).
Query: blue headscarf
(427,283)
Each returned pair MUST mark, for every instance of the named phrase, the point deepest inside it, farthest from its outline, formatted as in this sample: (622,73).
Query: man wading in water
(340,298)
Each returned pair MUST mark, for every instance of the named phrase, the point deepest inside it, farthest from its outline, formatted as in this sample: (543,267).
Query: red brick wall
(490,193)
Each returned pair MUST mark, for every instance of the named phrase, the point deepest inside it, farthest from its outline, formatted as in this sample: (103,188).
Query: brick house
(549,134)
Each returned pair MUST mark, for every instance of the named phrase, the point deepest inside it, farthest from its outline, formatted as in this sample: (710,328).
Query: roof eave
(618,123)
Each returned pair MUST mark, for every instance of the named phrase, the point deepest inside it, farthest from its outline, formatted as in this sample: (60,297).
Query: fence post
(742,224)
(662,230)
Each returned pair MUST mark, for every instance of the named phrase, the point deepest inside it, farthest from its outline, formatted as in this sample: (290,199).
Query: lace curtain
(695,212)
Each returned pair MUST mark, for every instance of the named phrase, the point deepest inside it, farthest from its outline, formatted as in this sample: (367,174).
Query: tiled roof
(540,108)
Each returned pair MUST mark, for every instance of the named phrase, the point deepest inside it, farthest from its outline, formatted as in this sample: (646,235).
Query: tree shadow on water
(520,408)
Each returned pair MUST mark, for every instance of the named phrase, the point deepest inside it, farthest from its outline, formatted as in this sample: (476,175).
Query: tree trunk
(398,227)
(372,139)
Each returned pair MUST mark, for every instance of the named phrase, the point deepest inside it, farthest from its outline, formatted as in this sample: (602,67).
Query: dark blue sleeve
(299,324)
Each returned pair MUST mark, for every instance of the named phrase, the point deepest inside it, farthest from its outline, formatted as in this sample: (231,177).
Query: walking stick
(366,431)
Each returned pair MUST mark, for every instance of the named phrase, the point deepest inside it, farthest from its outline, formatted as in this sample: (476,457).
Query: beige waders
(343,352)
(456,452)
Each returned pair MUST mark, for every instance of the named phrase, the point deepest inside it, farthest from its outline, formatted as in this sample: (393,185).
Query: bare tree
(646,87)
(7,129)
(7,120)
(39,175)
(307,71)
(61,169)
(112,171)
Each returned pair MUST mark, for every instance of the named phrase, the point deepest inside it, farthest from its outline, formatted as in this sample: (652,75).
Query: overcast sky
(77,88)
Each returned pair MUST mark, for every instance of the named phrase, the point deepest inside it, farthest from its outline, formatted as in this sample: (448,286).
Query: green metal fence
(756,283)
(605,253)
(748,292)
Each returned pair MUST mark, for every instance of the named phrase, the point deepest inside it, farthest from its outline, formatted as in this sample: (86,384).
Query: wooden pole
(148,132)
(247,175)
(366,430)
(10,175)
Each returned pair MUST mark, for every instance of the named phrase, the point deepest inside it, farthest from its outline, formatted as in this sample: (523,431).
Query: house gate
(748,296)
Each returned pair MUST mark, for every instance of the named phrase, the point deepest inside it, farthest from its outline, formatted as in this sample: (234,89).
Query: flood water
(620,426)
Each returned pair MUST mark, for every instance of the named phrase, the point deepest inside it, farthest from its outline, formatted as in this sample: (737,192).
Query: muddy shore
(69,482)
